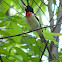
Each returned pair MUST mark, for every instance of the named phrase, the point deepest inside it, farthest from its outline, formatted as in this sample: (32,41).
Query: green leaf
(8,18)
(3,51)
(19,57)
(14,58)
(2,14)
(52,34)
(16,4)
(48,36)
(42,45)
(30,40)
(36,34)
(4,6)
(36,59)
(43,9)
(56,34)
(3,32)
(5,45)
(14,29)
(5,59)
(33,3)
(35,49)
(17,17)
(2,24)
(21,20)
(22,53)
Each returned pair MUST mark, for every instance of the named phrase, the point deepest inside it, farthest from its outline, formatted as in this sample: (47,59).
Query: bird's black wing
(37,19)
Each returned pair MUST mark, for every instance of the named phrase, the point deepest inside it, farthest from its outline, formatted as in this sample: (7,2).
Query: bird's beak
(25,7)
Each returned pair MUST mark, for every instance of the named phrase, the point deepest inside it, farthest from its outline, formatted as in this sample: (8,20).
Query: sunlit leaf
(22,53)
(14,30)
(48,36)
(3,51)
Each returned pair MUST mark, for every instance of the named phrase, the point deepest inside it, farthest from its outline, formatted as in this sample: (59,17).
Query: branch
(26,32)
(57,24)
(43,52)
(27,2)
(46,46)
(19,5)
(1,59)
(12,47)
(23,2)
(29,36)
(7,4)
(38,9)
(29,31)
(41,9)
(44,3)
(41,6)
(10,6)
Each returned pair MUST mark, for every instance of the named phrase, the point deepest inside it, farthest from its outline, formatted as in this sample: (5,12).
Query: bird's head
(28,9)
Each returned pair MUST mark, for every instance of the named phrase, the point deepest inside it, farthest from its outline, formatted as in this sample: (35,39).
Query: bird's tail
(41,36)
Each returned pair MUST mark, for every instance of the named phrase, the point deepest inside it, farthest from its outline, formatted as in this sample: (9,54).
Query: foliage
(25,48)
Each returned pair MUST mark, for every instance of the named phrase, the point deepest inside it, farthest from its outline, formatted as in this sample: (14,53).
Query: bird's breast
(28,14)
(32,22)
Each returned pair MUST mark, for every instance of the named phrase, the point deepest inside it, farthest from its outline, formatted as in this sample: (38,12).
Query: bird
(33,22)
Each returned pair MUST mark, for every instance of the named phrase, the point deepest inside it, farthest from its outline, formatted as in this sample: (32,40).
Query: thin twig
(41,9)
(1,59)
(29,31)
(27,2)
(40,6)
(10,6)
(7,4)
(57,24)
(35,41)
(44,3)
(12,47)
(43,51)
(23,2)
(29,36)
(26,32)
(19,5)
(46,47)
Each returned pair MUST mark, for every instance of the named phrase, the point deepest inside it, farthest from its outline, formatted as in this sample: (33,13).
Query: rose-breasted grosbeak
(33,21)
